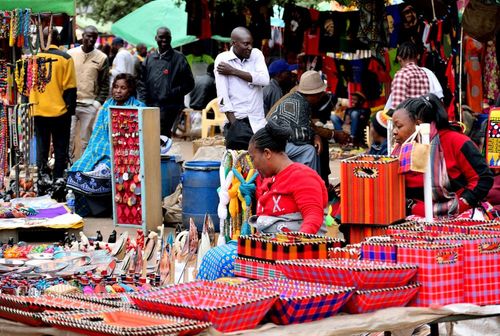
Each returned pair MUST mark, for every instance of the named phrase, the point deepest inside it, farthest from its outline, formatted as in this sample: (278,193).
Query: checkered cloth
(383,252)
(302,301)
(299,302)
(361,274)
(224,306)
(256,269)
(297,246)
(372,300)
(409,82)
(440,271)
(481,256)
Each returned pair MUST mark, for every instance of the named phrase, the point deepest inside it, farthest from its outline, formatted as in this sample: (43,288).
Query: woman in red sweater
(466,179)
(290,196)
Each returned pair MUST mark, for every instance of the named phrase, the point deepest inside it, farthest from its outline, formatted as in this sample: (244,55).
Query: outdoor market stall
(23,71)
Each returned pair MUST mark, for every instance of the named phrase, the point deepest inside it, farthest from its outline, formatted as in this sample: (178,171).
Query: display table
(400,321)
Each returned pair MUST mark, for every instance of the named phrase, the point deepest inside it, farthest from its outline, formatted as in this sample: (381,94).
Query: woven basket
(360,274)
(124,322)
(365,301)
(226,307)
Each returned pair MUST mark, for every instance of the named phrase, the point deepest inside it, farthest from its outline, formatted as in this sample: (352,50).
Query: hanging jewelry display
(32,73)
(4,142)
(4,73)
(125,137)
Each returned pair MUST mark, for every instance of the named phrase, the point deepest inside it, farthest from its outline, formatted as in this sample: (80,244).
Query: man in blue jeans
(358,117)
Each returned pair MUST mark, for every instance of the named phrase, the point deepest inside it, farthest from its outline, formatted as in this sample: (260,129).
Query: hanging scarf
(444,202)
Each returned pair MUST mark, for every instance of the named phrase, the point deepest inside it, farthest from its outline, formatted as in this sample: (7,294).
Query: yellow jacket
(59,96)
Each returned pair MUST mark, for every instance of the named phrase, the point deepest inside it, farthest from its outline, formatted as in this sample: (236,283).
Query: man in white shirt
(123,62)
(240,75)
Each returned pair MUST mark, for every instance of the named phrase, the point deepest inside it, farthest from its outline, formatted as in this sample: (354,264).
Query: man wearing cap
(295,110)
(165,79)
(123,61)
(280,84)
(240,75)
(92,71)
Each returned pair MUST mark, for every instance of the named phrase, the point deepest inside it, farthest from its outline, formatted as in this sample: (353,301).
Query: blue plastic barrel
(200,182)
(171,171)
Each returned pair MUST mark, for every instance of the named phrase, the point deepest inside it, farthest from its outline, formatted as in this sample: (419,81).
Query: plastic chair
(208,124)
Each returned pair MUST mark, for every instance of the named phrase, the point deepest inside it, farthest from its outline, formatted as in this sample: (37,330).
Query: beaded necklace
(20,27)
(44,76)
(13,28)
(3,77)
(19,75)
(13,126)
(34,71)
(4,140)
(26,28)
(29,75)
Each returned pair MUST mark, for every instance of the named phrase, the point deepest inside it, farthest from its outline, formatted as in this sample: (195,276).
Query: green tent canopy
(41,6)
(140,25)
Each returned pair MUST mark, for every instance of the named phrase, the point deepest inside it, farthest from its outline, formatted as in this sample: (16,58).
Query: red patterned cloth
(409,82)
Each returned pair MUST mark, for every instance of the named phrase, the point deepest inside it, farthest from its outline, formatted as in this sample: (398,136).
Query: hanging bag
(414,155)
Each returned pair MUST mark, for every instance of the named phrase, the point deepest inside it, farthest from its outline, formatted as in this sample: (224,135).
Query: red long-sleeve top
(467,170)
(297,188)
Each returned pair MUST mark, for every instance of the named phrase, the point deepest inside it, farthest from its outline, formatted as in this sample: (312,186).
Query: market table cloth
(398,320)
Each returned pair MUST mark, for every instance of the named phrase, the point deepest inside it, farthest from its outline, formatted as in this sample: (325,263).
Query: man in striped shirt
(410,81)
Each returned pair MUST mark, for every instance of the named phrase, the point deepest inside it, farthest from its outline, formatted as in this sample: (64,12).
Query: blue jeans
(354,115)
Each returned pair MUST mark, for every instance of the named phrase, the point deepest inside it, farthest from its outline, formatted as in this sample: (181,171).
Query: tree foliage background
(108,10)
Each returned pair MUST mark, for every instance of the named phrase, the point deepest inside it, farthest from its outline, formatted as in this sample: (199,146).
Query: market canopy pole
(425,131)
